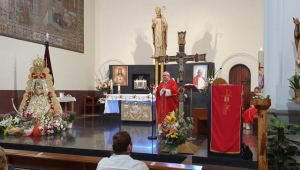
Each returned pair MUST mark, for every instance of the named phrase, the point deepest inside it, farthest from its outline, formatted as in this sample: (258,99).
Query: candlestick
(111,84)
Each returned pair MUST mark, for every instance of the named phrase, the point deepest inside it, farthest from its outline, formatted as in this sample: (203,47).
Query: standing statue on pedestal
(39,97)
(297,37)
(159,32)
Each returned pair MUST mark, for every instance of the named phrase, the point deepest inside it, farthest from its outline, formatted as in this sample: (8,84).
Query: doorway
(240,75)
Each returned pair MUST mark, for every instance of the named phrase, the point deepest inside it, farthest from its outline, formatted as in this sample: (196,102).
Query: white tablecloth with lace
(67,99)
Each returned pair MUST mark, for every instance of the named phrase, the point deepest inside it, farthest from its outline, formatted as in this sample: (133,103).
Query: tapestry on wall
(30,20)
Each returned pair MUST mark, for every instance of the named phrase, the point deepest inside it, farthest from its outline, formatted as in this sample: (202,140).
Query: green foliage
(69,117)
(172,143)
(280,148)
(294,82)
(72,117)
(2,129)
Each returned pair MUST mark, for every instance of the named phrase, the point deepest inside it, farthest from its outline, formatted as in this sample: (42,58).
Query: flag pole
(47,57)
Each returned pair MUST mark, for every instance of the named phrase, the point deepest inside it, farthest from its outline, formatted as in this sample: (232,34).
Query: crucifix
(260,67)
(181,58)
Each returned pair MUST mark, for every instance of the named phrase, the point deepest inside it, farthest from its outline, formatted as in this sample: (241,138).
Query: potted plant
(173,132)
(280,148)
(101,100)
(295,85)
(69,117)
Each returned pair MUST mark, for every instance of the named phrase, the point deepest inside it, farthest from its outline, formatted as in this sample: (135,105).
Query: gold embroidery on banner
(226,106)
(227,96)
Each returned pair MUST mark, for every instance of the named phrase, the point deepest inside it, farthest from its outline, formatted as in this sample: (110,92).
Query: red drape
(226,118)
(48,61)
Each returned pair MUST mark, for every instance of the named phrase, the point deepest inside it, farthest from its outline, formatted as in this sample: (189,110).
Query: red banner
(226,118)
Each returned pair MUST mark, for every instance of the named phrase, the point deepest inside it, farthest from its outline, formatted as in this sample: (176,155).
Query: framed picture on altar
(200,75)
(120,75)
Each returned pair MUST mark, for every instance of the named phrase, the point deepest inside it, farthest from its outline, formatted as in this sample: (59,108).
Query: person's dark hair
(121,140)
(120,72)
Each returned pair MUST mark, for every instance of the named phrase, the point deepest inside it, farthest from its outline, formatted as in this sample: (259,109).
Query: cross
(181,58)
(260,67)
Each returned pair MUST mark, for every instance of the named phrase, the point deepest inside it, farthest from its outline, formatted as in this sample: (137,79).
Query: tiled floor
(95,133)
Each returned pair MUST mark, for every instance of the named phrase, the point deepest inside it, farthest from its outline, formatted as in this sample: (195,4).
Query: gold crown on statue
(38,62)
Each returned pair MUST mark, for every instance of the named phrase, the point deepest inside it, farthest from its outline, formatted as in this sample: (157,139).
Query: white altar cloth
(112,100)
(66,99)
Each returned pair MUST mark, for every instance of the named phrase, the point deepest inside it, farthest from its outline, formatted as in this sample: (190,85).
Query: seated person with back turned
(249,113)
(122,147)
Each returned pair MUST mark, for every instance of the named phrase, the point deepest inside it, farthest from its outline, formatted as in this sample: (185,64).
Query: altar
(134,107)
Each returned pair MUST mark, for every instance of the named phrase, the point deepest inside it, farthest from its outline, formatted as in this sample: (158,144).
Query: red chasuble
(166,104)
(226,118)
(248,115)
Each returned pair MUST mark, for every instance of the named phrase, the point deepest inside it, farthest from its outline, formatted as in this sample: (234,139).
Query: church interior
(104,60)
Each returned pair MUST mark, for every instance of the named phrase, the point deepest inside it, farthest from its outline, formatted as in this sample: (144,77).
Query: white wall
(120,32)
(280,51)
(218,28)
(72,70)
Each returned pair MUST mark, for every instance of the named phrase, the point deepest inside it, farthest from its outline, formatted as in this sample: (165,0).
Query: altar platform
(92,136)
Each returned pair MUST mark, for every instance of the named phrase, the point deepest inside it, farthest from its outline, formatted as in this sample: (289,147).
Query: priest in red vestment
(166,97)
(248,116)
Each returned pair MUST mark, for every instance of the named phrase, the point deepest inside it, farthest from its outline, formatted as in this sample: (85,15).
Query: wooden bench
(45,160)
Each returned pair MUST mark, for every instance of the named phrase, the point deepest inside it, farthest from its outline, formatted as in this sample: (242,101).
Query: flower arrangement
(103,84)
(173,131)
(69,117)
(259,96)
(211,77)
(16,124)
(101,100)
(103,87)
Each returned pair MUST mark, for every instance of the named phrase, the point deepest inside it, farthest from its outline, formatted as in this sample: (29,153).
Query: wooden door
(240,75)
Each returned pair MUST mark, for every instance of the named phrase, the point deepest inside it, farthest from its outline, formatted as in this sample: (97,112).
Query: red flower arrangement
(103,87)
(42,76)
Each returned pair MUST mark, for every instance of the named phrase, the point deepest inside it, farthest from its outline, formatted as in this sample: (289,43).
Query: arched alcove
(244,59)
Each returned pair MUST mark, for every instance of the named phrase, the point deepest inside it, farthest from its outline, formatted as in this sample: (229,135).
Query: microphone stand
(215,74)
(152,137)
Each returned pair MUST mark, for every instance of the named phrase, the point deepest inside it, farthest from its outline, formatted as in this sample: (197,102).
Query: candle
(111,84)
(47,36)
(119,87)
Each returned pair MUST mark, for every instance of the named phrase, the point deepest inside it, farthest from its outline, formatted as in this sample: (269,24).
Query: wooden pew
(45,160)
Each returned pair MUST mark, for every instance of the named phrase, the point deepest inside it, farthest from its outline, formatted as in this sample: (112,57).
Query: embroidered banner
(226,118)
(30,21)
